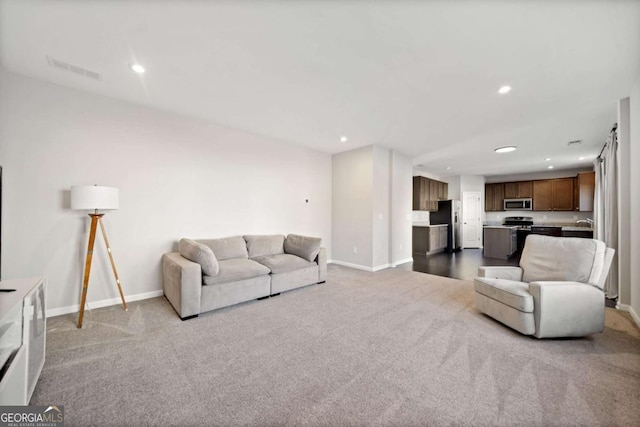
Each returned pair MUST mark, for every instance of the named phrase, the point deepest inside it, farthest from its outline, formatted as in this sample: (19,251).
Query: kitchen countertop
(426,224)
(573,228)
(501,226)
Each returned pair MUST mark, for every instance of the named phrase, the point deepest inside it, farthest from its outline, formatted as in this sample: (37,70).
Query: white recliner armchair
(557,291)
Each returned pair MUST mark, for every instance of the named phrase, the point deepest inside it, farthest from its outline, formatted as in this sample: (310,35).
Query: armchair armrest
(567,309)
(182,284)
(508,272)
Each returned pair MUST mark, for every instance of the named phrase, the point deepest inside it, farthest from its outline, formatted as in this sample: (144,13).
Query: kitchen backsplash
(420,216)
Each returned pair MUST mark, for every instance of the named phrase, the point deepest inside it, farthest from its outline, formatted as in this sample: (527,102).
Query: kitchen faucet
(583,221)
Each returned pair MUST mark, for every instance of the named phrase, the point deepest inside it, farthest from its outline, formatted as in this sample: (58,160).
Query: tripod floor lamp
(95,198)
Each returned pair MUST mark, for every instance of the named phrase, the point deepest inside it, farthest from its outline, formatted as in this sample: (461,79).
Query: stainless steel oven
(517,204)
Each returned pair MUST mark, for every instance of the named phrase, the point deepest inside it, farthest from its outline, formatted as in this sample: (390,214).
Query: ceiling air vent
(72,68)
(575,142)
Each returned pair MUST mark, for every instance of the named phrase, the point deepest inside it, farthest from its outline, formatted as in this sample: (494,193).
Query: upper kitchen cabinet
(518,190)
(420,193)
(560,194)
(542,197)
(427,192)
(494,195)
(583,191)
(563,194)
(553,194)
(443,190)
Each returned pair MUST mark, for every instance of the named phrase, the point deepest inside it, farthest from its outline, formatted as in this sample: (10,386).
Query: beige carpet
(388,348)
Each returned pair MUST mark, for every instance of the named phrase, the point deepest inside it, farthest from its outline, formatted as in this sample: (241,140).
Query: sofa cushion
(229,247)
(264,245)
(283,263)
(202,254)
(302,246)
(546,258)
(510,292)
(235,269)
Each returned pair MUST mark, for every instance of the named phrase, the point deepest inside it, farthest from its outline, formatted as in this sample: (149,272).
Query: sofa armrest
(506,272)
(182,284)
(321,259)
(567,309)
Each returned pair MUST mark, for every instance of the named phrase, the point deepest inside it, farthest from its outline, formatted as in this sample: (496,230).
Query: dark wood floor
(461,265)
(458,265)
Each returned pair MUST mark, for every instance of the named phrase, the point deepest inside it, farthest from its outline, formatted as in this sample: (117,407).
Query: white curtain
(606,206)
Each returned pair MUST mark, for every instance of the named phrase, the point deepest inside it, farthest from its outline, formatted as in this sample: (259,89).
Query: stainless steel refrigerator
(449,213)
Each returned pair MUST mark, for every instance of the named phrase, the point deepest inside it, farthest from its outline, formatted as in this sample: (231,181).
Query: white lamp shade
(91,197)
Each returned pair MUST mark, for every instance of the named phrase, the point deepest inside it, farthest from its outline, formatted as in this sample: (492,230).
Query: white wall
(624,218)
(371,219)
(352,207)
(453,187)
(401,205)
(381,198)
(634,190)
(178,177)
(538,175)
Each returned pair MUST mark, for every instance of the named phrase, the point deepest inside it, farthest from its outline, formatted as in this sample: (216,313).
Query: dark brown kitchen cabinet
(420,193)
(518,190)
(494,197)
(427,192)
(542,195)
(562,191)
(433,195)
(583,191)
(443,189)
(553,194)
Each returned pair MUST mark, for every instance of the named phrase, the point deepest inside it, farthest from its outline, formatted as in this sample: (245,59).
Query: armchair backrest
(565,259)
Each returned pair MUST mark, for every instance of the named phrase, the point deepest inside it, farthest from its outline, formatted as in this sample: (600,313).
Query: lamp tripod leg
(87,268)
(113,264)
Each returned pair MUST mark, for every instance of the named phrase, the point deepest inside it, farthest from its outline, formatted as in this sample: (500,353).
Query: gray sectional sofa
(209,274)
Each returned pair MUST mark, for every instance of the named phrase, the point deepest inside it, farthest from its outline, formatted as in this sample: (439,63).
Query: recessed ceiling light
(138,68)
(343,139)
(505,149)
(448,167)
(504,89)
(548,159)
(580,158)
(550,167)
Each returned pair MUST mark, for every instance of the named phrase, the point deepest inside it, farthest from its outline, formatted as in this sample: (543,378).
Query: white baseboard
(102,303)
(380,267)
(631,311)
(402,261)
(360,267)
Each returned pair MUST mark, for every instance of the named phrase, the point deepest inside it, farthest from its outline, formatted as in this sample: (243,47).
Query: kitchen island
(500,241)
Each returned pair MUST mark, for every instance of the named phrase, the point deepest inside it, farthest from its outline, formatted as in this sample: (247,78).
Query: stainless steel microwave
(517,204)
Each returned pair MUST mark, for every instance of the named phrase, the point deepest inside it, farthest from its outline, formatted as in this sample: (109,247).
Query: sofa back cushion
(561,258)
(229,247)
(302,246)
(264,245)
(202,254)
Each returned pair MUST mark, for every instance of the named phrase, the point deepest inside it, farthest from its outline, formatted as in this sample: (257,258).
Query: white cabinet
(23,328)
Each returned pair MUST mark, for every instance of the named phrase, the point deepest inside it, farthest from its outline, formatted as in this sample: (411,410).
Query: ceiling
(418,77)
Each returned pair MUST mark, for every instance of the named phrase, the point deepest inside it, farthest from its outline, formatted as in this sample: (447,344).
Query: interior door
(471,219)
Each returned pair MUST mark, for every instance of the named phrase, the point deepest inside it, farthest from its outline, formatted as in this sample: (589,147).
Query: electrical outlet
(575,217)
(355,249)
